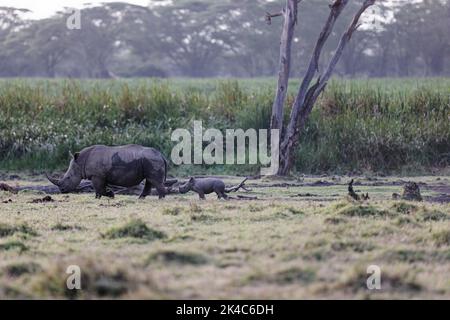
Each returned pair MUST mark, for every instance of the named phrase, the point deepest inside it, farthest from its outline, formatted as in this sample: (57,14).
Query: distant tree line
(204,38)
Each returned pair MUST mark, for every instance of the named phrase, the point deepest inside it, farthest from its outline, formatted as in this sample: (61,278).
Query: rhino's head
(187,186)
(71,179)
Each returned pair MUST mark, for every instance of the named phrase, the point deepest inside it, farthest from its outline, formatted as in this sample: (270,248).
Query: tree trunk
(307,94)
(290,139)
(290,19)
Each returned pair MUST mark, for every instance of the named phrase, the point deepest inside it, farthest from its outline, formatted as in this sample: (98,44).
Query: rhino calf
(124,166)
(205,186)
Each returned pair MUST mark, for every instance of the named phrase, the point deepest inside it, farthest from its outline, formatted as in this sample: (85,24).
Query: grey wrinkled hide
(204,186)
(124,166)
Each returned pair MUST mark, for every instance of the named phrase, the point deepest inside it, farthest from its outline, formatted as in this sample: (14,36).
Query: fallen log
(87,187)
(237,187)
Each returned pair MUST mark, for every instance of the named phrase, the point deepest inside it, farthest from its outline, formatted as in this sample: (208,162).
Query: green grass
(13,245)
(384,125)
(134,229)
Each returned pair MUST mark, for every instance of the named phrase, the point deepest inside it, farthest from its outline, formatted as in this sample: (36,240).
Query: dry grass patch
(99,279)
(172,211)
(441,238)
(392,283)
(181,258)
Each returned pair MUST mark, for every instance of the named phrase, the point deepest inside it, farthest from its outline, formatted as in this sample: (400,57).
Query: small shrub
(8,230)
(294,275)
(19,269)
(135,229)
(13,245)
(433,215)
(358,210)
(404,207)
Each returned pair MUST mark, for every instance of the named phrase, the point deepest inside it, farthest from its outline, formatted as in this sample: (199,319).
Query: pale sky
(45,8)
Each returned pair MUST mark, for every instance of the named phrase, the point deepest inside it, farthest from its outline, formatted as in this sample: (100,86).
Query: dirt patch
(43,200)
(444,191)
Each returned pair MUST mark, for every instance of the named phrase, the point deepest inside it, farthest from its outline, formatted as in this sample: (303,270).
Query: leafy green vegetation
(357,125)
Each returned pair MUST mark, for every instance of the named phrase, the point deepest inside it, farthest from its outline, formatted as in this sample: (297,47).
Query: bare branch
(237,187)
(345,38)
(308,94)
(336,9)
(269,16)
(290,20)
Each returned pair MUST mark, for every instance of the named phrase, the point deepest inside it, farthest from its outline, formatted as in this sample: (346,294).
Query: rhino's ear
(192,180)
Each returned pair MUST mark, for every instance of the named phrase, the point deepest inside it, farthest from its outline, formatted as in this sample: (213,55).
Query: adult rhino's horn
(52,180)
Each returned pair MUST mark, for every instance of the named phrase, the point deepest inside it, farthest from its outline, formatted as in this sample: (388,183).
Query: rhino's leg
(109,194)
(100,188)
(147,189)
(201,195)
(221,194)
(162,191)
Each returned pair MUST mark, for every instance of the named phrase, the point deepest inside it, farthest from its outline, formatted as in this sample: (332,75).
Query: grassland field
(389,126)
(302,237)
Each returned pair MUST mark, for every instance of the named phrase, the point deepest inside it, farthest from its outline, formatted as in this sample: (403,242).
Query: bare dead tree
(307,94)
(290,19)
